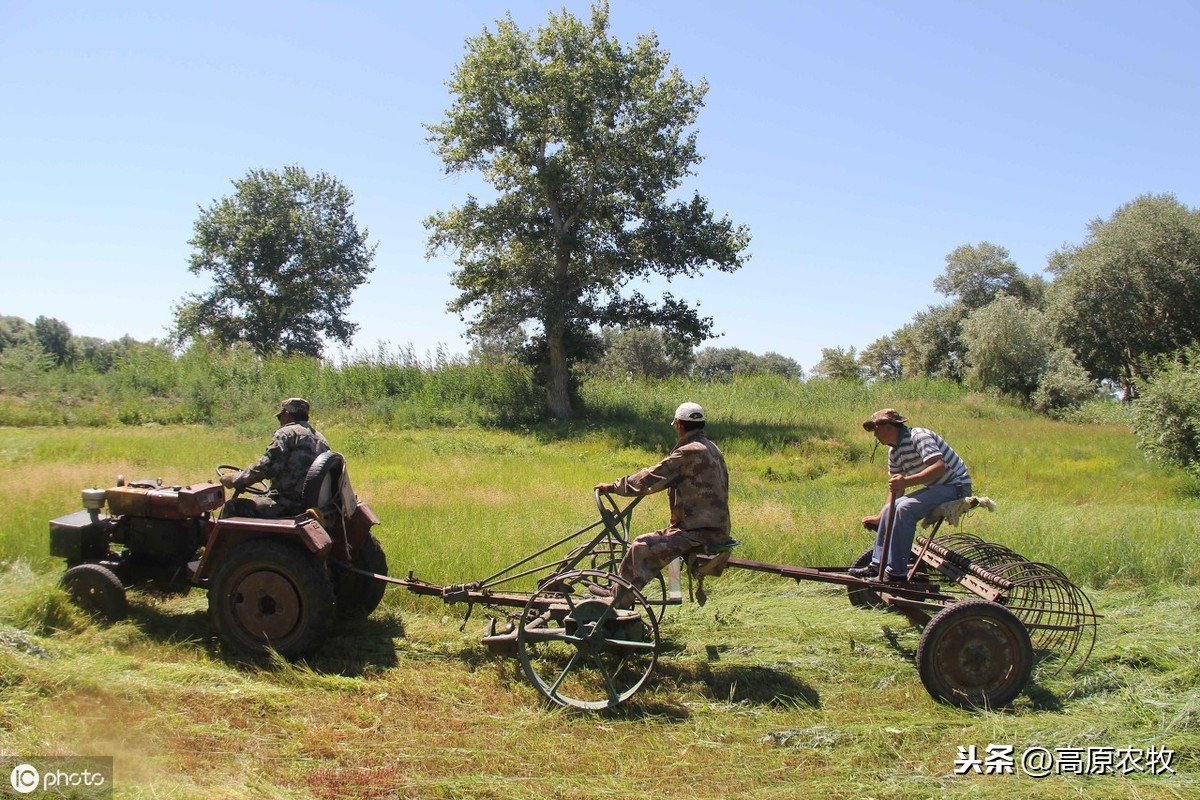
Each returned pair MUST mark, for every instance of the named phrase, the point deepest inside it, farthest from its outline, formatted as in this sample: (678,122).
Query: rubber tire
(97,590)
(357,596)
(861,596)
(295,583)
(987,636)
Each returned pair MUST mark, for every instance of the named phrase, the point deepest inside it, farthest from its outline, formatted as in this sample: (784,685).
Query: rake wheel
(975,654)
(581,651)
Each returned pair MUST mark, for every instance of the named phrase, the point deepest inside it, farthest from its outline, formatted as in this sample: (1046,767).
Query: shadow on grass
(752,684)
(353,648)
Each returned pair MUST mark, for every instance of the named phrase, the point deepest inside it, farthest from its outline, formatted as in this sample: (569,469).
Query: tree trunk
(558,388)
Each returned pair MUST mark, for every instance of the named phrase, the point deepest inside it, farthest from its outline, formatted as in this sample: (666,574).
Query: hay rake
(988,613)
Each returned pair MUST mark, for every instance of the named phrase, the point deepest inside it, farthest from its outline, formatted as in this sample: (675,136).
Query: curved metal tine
(1051,607)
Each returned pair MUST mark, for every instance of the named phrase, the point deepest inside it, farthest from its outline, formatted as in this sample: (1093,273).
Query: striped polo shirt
(917,447)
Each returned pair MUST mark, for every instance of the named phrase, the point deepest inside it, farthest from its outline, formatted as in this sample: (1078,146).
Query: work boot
(864,572)
(595,590)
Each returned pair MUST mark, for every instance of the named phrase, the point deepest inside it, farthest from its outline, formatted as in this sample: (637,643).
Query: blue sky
(860,142)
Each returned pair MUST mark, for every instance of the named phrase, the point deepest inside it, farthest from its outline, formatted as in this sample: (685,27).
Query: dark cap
(296,406)
(884,416)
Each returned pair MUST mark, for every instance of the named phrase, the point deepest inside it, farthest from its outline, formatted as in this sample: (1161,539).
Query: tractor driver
(289,455)
(697,484)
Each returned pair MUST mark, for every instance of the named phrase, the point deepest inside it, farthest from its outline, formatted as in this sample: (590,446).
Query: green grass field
(772,689)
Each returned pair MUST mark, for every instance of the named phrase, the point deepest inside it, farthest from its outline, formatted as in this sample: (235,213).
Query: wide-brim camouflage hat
(884,416)
(294,405)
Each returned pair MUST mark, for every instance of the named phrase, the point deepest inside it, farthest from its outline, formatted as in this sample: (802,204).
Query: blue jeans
(910,510)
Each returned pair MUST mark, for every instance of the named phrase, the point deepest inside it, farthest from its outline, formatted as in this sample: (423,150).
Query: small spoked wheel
(975,654)
(579,649)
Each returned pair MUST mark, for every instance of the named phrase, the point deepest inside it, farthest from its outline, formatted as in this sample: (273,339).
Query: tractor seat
(953,511)
(717,549)
(707,560)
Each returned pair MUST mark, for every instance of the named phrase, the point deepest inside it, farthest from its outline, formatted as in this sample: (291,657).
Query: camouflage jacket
(286,462)
(696,480)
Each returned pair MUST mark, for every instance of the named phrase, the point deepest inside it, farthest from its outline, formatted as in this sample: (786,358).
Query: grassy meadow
(772,689)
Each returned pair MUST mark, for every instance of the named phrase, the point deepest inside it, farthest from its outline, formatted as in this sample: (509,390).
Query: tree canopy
(1131,291)
(1007,346)
(586,142)
(978,274)
(285,254)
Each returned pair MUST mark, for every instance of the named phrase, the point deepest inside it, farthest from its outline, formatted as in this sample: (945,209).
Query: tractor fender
(227,534)
(358,529)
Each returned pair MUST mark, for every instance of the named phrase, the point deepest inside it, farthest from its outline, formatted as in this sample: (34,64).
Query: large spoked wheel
(96,590)
(580,650)
(975,654)
(358,595)
(267,595)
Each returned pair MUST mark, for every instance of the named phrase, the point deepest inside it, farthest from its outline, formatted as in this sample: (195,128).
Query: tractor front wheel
(97,590)
(268,595)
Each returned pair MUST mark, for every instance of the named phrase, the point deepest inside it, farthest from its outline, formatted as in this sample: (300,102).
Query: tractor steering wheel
(258,487)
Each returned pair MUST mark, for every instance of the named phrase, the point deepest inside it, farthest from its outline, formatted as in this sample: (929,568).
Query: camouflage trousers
(649,553)
(260,507)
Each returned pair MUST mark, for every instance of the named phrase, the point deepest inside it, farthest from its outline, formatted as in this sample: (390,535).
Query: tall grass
(213,385)
(772,690)
(460,502)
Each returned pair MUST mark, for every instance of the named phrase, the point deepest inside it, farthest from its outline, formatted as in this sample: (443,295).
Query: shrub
(1166,414)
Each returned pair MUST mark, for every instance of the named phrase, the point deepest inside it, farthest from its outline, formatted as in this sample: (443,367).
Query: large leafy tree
(586,142)
(54,337)
(285,254)
(931,345)
(882,359)
(1131,291)
(838,364)
(1007,346)
(976,274)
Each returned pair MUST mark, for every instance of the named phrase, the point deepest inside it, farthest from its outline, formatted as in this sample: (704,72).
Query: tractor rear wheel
(269,595)
(358,595)
(975,654)
(97,590)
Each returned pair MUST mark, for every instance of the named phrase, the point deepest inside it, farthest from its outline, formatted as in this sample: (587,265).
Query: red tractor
(273,584)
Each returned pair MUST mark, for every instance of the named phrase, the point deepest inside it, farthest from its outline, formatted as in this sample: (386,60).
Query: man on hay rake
(697,484)
(916,456)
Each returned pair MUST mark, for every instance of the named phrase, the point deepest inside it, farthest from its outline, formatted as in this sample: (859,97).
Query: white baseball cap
(689,412)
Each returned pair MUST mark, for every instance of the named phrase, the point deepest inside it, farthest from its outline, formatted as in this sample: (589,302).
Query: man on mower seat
(697,484)
(292,451)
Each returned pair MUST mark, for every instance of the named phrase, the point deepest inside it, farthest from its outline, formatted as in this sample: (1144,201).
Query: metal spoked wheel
(975,654)
(579,649)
